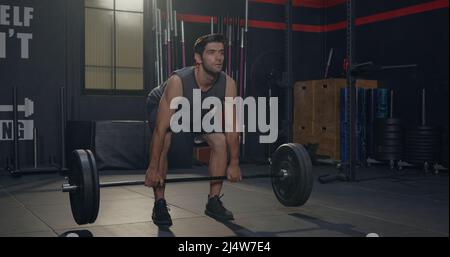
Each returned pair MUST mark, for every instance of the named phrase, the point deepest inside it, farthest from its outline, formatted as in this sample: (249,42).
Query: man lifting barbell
(207,76)
(290,167)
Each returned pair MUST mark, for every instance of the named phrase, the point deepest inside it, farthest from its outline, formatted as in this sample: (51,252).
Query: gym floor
(401,204)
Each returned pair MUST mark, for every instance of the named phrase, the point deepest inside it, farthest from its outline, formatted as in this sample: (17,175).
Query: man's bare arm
(173,89)
(232,138)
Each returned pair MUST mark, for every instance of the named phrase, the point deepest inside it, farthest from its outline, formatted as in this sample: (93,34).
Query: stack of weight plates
(388,139)
(422,144)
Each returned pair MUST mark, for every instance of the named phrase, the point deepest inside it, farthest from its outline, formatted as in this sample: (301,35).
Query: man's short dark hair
(202,41)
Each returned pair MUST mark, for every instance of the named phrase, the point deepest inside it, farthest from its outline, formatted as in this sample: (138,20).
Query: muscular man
(207,76)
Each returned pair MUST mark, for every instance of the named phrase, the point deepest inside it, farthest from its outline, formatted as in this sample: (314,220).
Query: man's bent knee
(217,141)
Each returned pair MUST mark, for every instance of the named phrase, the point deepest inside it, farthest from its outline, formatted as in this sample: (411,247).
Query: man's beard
(210,71)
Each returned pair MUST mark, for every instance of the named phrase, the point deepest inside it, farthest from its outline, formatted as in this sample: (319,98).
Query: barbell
(290,173)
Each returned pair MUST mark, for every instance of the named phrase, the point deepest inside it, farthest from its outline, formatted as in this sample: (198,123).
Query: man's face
(213,57)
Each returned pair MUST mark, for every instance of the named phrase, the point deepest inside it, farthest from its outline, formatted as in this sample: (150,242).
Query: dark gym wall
(265,52)
(394,33)
(56,59)
(400,32)
(308,46)
(37,76)
(270,40)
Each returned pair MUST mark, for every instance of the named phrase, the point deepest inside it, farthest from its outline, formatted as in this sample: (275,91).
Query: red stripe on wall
(335,26)
(266,25)
(420,8)
(194,18)
(280,2)
(306,28)
(304,3)
(438,4)
(317,3)
(319,28)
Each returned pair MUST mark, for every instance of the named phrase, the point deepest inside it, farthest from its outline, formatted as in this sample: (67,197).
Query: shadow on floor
(345,229)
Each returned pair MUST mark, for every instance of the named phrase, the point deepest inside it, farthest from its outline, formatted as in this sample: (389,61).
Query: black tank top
(189,83)
(187,76)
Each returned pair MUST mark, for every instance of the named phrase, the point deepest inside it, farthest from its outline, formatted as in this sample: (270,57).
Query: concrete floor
(409,204)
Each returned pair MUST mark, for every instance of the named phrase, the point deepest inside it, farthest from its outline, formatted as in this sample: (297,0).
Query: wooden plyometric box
(327,98)
(304,135)
(303,112)
(317,113)
(326,93)
(325,135)
(304,102)
(367,84)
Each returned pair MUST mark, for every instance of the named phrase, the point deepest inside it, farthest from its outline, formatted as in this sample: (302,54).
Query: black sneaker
(215,209)
(161,216)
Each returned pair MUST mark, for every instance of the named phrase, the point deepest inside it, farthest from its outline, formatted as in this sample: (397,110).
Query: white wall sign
(25,130)
(27,108)
(12,17)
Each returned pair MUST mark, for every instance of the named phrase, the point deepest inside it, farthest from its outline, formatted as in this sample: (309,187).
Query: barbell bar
(290,173)
(70,188)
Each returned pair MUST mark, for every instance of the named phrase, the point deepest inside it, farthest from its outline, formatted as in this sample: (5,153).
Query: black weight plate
(388,136)
(419,157)
(295,188)
(77,196)
(389,121)
(81,199)
(422,133)
(431,151)
(421,146)
(426,128)
(387,156)
(422,140)
(421,153)
(285,187)
(95,187)
(302,152)
(411,135)
(392,142)
(384,129)
(387,149)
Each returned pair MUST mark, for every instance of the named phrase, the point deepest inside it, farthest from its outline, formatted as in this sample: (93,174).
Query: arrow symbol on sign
(28,108)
